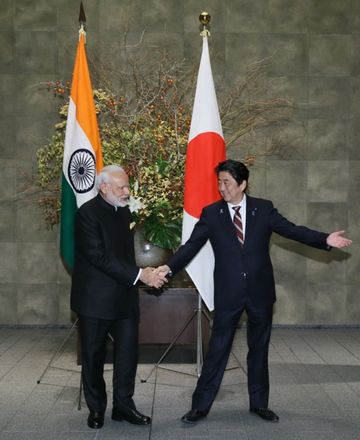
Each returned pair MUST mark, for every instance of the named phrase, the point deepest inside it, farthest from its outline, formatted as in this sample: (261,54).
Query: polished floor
(315,389)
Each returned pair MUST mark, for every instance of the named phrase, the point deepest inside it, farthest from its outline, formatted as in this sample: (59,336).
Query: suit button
(243,275)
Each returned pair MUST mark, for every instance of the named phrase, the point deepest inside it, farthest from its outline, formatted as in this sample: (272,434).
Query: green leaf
(165,235)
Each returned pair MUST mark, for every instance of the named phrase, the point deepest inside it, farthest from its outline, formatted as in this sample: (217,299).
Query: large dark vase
(148,254)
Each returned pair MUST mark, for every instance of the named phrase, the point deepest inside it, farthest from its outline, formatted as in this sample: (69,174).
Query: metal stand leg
(59,349)
(199,352)
(61,346)
(80,391)
(199,347)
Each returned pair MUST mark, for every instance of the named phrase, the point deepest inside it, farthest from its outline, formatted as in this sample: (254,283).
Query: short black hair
(235,168)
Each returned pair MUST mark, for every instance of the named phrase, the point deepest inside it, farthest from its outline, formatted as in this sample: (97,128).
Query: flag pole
(204,19)
(203,138)
(199,348)
(66,243)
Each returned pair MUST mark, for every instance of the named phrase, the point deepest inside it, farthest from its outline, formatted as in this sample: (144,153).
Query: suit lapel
(251,216)
(225,220)
(228,226)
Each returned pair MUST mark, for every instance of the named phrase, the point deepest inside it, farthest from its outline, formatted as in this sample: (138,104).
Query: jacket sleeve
(89,243)
(304,235)
(187,251)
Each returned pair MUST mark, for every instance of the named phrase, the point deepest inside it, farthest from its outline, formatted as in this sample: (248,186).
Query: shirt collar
(241,204)
(107,204)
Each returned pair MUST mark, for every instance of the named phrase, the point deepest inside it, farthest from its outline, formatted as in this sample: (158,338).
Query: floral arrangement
(150,143)
(144,127)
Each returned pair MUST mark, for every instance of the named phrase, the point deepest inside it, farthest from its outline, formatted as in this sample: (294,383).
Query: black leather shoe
(95,420)
(265,414)
(130,415)
(193,416)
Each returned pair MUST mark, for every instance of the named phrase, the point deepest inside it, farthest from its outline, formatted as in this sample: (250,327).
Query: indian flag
(82,152)
(206,148)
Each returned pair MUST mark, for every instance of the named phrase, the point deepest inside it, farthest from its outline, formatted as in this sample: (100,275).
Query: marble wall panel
(286,180)
(330,55)
(329,16)
(312,48)
(327,139)
(328,181)
(288,16)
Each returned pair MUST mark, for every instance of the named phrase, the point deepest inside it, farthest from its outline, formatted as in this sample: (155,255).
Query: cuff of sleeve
(138,276)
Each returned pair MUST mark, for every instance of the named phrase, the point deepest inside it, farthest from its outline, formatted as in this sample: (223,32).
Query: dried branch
(144,124)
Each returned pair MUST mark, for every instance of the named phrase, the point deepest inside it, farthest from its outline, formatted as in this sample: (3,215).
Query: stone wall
(315,45)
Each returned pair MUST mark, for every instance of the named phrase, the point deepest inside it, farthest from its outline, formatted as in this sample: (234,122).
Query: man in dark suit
(239,228)
(105,296)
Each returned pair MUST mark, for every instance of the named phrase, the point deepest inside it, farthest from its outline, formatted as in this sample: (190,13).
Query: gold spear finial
(204,19)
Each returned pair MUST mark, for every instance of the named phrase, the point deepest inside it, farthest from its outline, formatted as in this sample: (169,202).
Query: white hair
(104,175)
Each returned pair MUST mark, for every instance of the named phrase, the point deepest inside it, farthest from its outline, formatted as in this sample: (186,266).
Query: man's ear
(243,185)
(102,188)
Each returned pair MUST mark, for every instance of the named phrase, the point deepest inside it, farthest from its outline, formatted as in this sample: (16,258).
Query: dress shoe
(265,414)
(131,415)
(95,420)
(193,416)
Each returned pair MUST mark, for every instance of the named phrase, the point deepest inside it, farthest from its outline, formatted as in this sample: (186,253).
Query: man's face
(229,189)
(116,192)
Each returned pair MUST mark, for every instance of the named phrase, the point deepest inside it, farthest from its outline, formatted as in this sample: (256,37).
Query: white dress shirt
(242,205)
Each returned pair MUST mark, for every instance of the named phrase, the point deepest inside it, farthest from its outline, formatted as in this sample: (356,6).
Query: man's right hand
(163,270)
(152,277)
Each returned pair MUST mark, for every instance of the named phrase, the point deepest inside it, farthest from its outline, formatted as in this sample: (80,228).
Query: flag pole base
(198,313)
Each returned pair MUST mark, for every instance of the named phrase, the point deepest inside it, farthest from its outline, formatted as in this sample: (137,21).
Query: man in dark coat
(105,296)
(239,228)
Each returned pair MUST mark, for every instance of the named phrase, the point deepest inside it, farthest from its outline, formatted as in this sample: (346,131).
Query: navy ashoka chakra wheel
(82,171)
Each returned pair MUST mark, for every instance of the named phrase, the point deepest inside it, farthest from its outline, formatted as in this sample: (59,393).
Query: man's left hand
(336,239)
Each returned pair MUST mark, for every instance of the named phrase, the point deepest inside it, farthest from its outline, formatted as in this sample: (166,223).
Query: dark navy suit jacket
(235,263)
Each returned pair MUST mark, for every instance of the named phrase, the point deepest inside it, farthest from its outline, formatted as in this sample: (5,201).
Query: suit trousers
(94,334)
(223,331)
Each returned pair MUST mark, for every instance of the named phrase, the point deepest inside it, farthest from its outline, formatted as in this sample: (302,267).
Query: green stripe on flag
(67,223)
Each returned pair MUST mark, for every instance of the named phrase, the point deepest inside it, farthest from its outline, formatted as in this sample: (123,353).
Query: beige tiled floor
(315,389)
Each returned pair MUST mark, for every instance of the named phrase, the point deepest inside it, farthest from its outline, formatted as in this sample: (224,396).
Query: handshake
(155,277)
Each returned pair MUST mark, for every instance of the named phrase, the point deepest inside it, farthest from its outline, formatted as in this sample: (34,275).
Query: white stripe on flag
(76,138)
